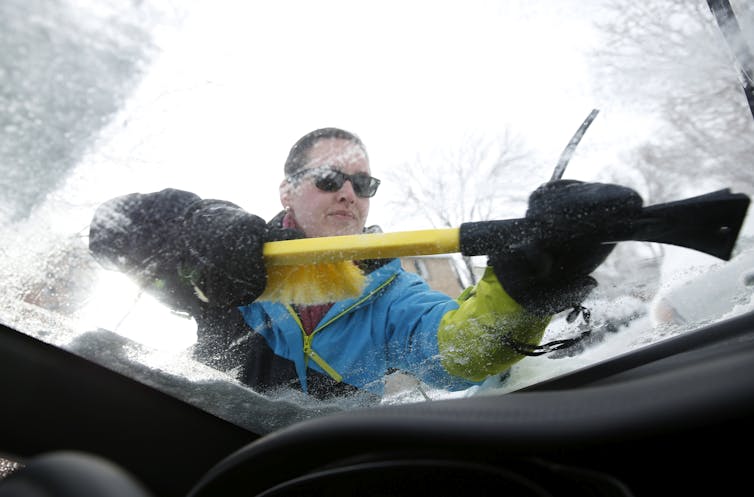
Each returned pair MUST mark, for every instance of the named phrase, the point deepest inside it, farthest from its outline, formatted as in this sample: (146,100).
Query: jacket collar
(376,280)
(366,265)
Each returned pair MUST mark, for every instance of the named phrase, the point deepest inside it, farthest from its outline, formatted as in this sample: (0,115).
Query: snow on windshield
(107,100)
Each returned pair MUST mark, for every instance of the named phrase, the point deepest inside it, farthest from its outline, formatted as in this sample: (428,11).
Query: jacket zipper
(309,352)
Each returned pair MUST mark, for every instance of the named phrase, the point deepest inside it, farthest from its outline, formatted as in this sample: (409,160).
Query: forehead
(337,152)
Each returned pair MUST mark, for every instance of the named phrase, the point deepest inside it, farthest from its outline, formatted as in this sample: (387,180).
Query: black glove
(224,245)
(138,234)
(178,247)
(550,273)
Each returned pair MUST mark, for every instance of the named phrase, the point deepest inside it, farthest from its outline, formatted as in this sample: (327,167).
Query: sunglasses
(332,180)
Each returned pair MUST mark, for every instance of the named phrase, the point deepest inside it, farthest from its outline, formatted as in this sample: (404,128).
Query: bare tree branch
(671,53)
(476,180)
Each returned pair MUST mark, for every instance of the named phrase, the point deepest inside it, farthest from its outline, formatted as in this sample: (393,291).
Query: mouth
(342,215)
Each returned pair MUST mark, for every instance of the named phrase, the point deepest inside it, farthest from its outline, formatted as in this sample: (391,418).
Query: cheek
(307,208)
(364,209)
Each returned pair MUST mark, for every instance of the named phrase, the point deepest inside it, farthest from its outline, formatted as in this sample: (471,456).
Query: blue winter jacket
(393,324)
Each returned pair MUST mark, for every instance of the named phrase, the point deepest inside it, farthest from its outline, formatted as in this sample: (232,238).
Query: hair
(298,156)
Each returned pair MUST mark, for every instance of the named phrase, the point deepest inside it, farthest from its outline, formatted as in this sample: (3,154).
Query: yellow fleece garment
(471,338)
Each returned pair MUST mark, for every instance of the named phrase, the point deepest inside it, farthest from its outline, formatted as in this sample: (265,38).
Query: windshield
(464,110)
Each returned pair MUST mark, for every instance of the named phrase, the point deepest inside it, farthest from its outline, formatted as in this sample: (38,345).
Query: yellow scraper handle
(357,247)
(709,223)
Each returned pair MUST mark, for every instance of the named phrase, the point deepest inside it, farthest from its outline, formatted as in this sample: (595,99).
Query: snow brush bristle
(321,270)
(309,284)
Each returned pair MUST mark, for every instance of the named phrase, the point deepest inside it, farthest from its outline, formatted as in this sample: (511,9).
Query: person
(204,256)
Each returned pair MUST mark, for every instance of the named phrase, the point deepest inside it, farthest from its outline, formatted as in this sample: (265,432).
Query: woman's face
(322,213)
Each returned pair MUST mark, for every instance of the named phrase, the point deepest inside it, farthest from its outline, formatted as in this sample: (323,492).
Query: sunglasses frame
(361,189)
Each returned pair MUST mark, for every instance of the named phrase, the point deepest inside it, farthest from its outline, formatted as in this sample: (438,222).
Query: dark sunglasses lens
(331,181)
(364,185)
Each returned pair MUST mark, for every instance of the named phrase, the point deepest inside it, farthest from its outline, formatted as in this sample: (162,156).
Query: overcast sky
(238,82)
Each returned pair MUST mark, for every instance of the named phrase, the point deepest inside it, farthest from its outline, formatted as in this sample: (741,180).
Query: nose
(346,191)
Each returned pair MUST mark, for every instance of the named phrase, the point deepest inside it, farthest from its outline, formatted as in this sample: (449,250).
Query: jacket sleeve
(472,338)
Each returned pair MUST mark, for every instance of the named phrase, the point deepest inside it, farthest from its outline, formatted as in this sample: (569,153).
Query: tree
(478,180)
(670,55)
(667,58)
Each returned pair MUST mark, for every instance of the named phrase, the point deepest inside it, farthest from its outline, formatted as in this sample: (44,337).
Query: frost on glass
(107,98)
(65,70)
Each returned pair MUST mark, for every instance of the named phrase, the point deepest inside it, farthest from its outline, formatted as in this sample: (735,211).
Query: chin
(343,230)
